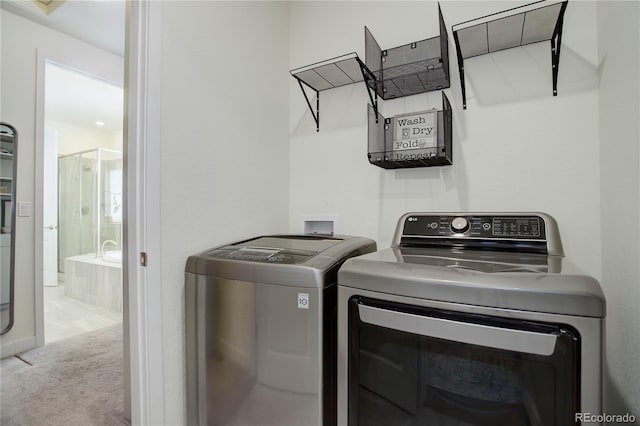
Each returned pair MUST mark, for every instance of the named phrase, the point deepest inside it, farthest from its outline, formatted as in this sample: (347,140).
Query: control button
(486,226)
(459,224)
(433,225)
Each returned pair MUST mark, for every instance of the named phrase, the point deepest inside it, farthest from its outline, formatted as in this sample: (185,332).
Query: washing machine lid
(296,260)
(499,281)
(281,249)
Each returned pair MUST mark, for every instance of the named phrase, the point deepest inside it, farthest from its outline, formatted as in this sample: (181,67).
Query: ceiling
(71,97)
(80,100)
(98,22)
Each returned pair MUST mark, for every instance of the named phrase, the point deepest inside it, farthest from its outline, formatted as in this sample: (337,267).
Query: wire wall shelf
(410,69)
(533,23)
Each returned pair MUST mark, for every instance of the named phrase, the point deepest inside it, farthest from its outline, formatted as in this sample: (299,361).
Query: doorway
(82,203)
(143,344)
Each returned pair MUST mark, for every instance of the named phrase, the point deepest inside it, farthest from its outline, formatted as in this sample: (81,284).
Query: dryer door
(416,365)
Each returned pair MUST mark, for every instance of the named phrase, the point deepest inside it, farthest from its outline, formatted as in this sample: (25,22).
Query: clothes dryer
(469,319)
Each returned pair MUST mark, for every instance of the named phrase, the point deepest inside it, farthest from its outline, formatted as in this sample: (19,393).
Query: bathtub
(97,281)
(112,256)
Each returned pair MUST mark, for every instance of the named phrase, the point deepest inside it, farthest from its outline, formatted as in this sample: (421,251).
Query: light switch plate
(24,209)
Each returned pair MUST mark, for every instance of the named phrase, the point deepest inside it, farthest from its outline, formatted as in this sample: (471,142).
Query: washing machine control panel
(475,226)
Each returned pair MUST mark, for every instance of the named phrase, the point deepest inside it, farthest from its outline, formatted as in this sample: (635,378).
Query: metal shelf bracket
(316,115)
(556,43)
(370,83)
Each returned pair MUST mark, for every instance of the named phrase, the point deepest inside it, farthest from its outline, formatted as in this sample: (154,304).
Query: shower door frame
(97,240)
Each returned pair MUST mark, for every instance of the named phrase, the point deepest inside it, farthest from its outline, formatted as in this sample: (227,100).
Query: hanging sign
(415,135)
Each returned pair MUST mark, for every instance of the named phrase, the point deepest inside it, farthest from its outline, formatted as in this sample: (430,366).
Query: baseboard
(13,348)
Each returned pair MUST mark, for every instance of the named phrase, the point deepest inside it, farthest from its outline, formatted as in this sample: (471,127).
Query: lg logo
(303,300)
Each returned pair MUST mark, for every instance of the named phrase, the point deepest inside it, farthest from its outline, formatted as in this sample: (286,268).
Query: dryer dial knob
(459,224)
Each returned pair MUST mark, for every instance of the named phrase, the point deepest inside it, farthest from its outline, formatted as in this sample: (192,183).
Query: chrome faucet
(104,244)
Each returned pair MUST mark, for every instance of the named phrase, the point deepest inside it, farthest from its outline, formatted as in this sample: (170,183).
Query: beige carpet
(76,381)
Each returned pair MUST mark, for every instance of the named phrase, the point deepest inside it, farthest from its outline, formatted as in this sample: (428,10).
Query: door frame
(50,135)
(142,316)
(142,196)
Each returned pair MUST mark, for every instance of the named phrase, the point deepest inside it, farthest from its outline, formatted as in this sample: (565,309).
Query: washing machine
(261,330)
(469,319)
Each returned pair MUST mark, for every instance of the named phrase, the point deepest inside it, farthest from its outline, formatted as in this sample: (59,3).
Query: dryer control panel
(517,227)
(509,231)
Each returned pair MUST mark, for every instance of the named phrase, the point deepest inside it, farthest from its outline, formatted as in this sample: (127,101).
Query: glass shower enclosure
(89,203)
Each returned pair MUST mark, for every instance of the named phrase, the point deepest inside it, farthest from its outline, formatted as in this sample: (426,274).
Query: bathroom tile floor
(66,317)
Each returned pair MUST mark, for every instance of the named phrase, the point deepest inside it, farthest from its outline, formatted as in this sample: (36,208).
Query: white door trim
(38,211)
(142,227)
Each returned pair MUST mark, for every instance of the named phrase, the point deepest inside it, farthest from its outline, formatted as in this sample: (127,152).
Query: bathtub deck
(94,281)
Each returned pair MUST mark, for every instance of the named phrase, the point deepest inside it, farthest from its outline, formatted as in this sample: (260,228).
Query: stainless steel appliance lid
(443,278)
(292,249)
(295,260)
(308,243)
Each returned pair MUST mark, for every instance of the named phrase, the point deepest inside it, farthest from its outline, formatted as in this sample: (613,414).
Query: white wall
(21,39)
(224,145)
(516,147)
(619,64)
